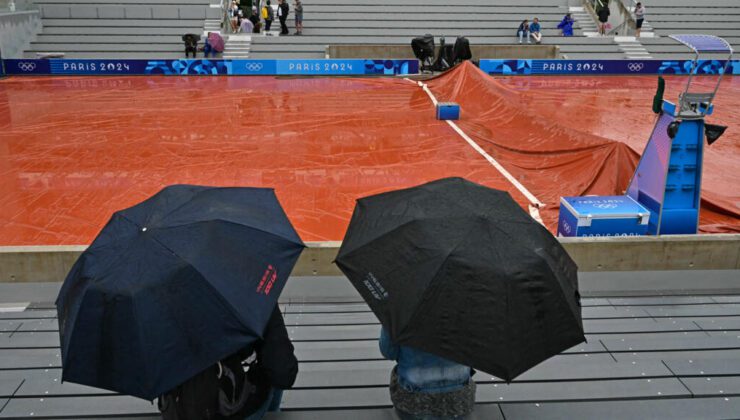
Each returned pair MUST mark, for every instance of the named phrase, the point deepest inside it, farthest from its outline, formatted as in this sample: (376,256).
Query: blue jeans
(272,403)
(521,35)
(208,49)
(419,371)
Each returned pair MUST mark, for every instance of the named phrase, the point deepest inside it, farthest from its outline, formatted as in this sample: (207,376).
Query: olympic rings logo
(27,66)
(605,206)
(566,227)
(254,66)
(635,66)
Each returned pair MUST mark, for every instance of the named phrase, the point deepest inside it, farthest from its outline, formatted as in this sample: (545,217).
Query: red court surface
(75,149)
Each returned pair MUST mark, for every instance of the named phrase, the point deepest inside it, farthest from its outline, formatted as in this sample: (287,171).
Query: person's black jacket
(285,10)
(276,365)
(275,353)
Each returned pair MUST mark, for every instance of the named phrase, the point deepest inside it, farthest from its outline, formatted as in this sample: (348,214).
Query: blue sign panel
(187,67)
(84,67)
(595,67)
(327,67)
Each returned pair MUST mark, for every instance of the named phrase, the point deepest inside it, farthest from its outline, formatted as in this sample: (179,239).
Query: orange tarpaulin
(558,145)
(75,149)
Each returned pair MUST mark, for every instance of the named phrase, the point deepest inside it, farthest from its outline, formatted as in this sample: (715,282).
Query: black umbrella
(172,285)
(461,271)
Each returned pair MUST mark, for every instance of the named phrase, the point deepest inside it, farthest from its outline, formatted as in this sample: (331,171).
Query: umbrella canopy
(172,285)
(461,271)
(216,41)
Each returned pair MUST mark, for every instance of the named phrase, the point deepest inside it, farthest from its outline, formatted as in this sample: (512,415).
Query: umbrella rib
(218,219)
(236,224)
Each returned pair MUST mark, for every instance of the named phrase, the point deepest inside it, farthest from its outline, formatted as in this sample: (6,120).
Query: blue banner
(596,67)
(312,67)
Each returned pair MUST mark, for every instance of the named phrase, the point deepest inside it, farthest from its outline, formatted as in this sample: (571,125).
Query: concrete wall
(479,51)
(17,30)
(648,253)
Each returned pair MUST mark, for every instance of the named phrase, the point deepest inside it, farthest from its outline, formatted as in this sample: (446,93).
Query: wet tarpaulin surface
(75,149)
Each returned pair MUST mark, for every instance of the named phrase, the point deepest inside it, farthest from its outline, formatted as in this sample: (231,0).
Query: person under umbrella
(191,44)
(172,285)
(214,44)
(225,391)
(460,271)
(427,385)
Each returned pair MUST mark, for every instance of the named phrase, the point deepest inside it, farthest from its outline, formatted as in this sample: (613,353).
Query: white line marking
(535,203)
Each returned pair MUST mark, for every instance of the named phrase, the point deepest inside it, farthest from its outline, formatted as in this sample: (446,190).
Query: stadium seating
(152,28)
(491,22)
(713,17)
(119,28)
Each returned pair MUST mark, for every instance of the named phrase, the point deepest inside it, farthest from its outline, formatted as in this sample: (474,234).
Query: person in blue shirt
(566,25)
(427,387)
(534,29)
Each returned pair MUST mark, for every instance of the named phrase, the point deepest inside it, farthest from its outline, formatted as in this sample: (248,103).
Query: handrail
(617,29)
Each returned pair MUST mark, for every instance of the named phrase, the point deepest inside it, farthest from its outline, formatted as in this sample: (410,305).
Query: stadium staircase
(237,46)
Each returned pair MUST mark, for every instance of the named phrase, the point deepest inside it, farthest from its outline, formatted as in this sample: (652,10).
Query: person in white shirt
(639,18)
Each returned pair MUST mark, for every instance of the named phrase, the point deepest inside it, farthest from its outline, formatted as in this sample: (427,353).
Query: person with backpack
(283,11)
(224,391)
(268,15)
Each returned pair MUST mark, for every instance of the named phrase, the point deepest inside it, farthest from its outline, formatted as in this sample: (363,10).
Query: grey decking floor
(647,357)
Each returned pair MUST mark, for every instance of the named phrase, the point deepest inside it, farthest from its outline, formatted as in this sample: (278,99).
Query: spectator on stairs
(639,18)
(534,30)
(283,11)
(566,25)
(234,17)
(268,15)
(298,17)
(191,44)
(213,44)
(246,27)
(603,14)
(523,31)
(254,17)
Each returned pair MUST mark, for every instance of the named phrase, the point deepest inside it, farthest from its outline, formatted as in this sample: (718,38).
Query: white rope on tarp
(534,203)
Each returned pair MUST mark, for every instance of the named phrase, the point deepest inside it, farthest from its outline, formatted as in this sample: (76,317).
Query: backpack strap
(234,389)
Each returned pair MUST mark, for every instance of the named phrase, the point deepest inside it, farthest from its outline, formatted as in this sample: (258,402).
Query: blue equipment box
(602,216)
(448,111)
